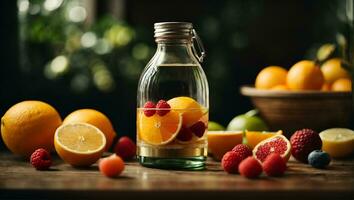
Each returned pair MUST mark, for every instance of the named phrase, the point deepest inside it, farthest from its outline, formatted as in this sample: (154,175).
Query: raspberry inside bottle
(173,101)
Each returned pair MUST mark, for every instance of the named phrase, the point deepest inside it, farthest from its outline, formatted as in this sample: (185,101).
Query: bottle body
(172,109)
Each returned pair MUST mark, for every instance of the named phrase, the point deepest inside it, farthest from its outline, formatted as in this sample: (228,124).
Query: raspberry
(274,165)
(163,108)
(40,159)
(111,166)
(250,167)
(149,109)
(303,142)
(243,150)
(125,148)
(185,134)
(230,162)
(198,129)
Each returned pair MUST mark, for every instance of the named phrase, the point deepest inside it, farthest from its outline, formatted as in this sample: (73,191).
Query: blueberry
(319,159)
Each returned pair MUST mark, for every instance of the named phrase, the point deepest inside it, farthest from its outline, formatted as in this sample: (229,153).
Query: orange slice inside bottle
(159,130)
(191,109)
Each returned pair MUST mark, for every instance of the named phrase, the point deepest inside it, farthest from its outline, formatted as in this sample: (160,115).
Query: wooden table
(18,180)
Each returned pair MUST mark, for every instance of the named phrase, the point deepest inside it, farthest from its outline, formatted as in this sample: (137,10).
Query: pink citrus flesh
(277,144)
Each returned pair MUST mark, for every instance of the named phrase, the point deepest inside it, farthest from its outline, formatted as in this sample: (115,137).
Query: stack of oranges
(306,75)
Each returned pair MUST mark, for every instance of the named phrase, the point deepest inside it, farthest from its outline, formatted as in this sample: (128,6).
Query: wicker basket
(293,110)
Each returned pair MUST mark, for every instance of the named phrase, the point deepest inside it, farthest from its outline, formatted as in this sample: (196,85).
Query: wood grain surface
(19,180)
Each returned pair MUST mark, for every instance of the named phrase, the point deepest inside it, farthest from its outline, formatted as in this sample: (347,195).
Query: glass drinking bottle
(173,101)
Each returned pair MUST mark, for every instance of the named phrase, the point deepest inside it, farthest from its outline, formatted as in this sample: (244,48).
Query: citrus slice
(276,144)
(191,110)
(220,142)
(79,144)
(255,137)
(338,142)
(96,118)
(159,130)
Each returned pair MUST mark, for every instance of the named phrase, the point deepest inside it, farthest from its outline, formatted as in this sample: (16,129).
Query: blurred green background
(90,53)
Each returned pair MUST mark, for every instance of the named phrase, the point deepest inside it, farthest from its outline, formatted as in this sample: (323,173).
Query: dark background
(241,37)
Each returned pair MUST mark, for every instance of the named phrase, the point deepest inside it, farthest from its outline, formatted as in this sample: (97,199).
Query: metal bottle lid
(179,32)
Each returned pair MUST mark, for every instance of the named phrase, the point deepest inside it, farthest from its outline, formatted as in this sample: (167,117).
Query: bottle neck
(172,53)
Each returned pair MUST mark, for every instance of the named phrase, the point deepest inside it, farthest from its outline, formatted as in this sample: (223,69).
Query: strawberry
(303,142)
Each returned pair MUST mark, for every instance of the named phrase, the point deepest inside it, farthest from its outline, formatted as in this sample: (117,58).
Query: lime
(248,121)
(214,126)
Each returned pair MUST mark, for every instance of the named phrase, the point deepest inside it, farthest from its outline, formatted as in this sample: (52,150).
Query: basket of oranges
(309,94)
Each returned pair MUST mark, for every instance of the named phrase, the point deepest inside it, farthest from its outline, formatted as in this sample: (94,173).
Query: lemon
(338,142)
(79,144)
(95,118)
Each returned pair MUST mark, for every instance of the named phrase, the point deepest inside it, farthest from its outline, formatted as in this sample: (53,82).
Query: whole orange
(96,118)
(280,87)
(29,125)
(326,87)
(305,75)
(270,77)
(342,85)
(332,70)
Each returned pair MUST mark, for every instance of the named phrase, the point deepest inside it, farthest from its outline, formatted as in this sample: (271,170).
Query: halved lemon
(220,142)
(255,137)
(159,130)
(338,142)
(79,144)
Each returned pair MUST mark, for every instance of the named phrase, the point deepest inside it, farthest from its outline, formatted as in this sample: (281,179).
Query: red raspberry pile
(240,160)
(232,159)
(161,108)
